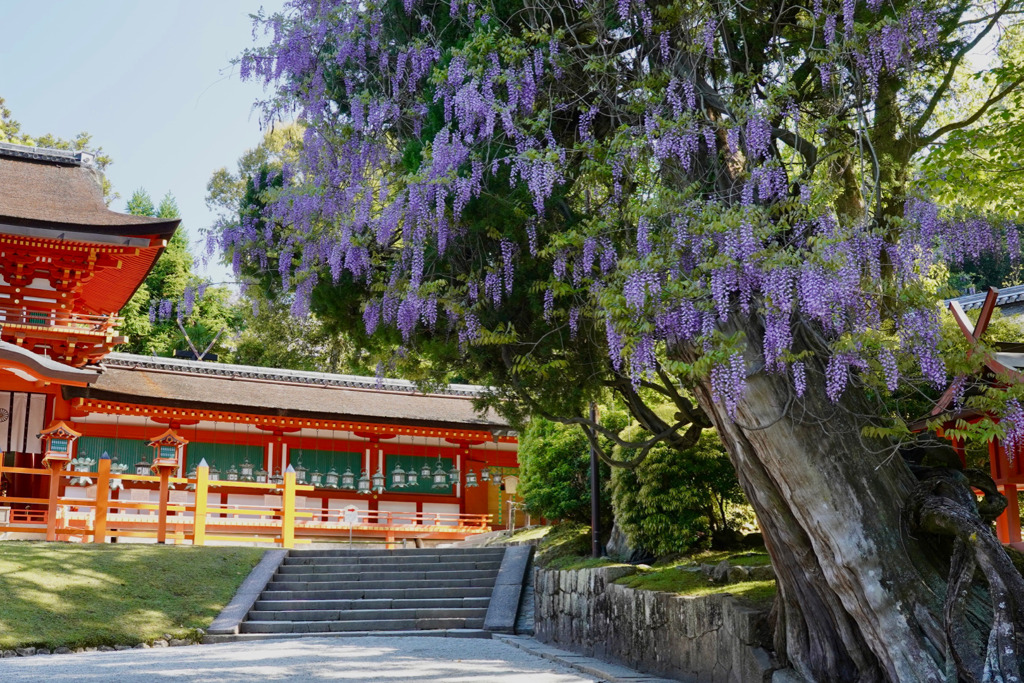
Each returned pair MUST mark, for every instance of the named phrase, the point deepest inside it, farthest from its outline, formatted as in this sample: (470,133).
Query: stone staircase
(359,592)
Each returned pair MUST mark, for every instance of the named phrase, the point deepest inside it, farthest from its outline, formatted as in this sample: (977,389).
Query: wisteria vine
(665,198)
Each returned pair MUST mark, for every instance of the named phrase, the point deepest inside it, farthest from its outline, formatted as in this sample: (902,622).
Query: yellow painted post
(51,508)
(288,510)
(202,489)
(102,501)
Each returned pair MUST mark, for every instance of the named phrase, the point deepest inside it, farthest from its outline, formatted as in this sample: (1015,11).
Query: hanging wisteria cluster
(167,309)
(664,199)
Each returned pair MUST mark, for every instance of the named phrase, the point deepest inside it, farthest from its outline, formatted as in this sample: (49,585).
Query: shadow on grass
(73,595)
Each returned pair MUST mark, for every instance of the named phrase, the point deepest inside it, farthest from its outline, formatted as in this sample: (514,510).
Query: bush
(675,500)
(554,470)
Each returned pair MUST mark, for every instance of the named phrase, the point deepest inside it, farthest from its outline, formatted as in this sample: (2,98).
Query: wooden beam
(986,312)
(284,424)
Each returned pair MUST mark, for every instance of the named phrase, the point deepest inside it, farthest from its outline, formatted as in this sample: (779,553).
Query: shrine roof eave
(109,290)
(56,187)
(44,369)
(126,226)
(90,393)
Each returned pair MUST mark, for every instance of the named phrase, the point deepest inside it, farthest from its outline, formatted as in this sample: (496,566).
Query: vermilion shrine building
(69,265)
(1002,366)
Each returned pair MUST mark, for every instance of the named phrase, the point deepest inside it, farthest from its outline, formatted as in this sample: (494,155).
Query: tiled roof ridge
(404,386)
(1007,295)
(60,156)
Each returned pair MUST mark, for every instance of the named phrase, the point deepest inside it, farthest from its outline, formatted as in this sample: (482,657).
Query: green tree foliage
(571,198)
(979,168)
(10,131)
(554,473)
(226,189)
(675,500)
(268,334)
(151,316)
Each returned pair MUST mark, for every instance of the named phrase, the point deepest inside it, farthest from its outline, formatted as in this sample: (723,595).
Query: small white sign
(351,517)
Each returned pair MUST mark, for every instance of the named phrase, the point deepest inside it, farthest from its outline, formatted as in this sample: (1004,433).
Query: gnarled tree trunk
(862,586)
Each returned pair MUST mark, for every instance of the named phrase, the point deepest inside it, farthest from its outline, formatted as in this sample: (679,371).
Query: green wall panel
(127,451)
(323,461)
(223,456)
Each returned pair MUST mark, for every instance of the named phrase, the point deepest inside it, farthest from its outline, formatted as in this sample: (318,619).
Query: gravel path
(389,660)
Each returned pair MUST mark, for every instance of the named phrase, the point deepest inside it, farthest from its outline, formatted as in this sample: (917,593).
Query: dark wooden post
(595,495)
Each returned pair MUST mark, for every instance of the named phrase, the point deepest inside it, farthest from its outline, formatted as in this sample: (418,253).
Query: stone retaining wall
(712,639)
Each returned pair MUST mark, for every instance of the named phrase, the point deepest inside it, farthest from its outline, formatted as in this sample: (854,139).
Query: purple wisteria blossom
(441,148)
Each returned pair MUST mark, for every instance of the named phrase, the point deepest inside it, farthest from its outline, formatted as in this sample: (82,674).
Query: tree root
(944,504)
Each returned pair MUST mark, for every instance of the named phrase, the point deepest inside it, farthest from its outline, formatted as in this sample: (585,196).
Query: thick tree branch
(803,146)
(954,64)
(956,125)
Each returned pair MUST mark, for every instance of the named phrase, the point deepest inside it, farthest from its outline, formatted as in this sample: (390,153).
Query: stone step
(378,603)
(311,627)
(278,585)
(426,577)
(362,593)
(381,615)
(334,564)
(399,555)
(425,633)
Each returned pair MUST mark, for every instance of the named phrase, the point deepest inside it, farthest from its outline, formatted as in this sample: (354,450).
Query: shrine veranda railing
(200,521)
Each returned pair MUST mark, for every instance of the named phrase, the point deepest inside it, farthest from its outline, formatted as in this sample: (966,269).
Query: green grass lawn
(690,583)
(747,558)
(72,595)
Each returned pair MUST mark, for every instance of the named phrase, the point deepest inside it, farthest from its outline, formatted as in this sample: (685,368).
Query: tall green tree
(268,334)
(562,199)
(173,297)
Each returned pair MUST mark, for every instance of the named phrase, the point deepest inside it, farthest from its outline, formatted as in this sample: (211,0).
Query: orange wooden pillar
(1008,523)
(161,524)
(51,507)
(102,501)
(202,493)
(1003,472)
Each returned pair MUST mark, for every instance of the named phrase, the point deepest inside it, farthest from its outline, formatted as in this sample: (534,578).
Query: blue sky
(150,80)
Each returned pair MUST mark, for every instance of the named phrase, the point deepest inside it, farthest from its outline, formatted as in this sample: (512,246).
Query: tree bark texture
(862,589)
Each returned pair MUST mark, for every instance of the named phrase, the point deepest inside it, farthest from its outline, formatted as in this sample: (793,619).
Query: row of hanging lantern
(365,484)
(83,466)
(243,473)
(376,483)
